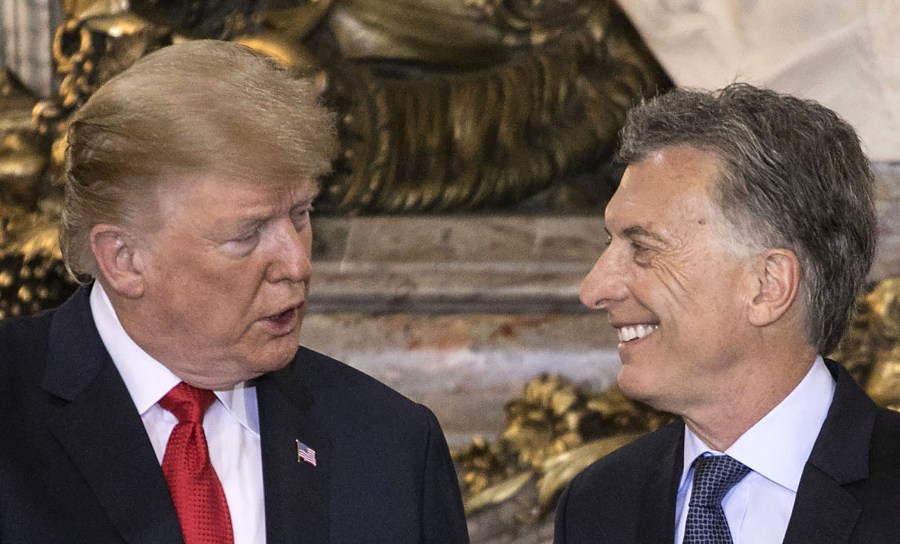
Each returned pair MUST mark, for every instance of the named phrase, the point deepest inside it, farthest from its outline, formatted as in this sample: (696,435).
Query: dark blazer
(849,491)
(76,465)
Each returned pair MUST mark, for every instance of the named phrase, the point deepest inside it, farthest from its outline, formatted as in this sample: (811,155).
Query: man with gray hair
(739,238)
(168,400)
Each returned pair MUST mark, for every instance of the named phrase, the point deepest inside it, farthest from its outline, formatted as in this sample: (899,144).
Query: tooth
(632,332)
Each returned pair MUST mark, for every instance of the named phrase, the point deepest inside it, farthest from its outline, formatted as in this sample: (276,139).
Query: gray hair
(199,107)
(794,177)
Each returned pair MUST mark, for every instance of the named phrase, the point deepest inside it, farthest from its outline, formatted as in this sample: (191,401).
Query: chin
(278,362)
(271,358)
(633,387)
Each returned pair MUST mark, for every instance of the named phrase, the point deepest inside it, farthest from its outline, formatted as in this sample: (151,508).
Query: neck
(748,398)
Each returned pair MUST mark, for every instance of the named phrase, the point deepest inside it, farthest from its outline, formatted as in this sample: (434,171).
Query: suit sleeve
(443,518)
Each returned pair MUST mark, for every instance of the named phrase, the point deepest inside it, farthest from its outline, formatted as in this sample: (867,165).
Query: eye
(245,240)
(642,254)
(300,217)
(247,237)
(607,239)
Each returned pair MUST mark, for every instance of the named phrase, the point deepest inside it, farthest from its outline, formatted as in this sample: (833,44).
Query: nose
(292,253)
(605,284)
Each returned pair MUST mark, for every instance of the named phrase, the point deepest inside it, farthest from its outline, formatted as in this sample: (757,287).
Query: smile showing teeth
(634,332)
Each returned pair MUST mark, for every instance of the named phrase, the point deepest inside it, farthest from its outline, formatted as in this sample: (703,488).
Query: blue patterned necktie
(713,477)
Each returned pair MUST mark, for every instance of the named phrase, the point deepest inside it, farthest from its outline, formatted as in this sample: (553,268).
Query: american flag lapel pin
(305,454)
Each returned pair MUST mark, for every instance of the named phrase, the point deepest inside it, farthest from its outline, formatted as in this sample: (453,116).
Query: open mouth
(285,319)
(635,332)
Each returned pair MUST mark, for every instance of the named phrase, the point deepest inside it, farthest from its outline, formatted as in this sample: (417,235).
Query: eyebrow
(310,194)
(315,189)
(639,231)
(249,222)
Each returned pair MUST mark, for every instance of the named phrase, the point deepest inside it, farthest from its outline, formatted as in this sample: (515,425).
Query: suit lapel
(657,501)
(296,492)
(824,511)
(101,430)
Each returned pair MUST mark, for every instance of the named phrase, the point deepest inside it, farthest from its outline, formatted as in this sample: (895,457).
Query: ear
(119,262)
(777,284)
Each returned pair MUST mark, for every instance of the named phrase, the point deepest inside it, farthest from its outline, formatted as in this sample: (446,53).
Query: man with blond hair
(168,400)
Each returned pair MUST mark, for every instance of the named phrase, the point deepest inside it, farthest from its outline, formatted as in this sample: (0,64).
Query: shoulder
(628,466)
(341,392)
(852,407)
(605,502)
(16,331)
(324,375)
(24,342)
(859,441)
(886,437)
(387,455)
(28,339)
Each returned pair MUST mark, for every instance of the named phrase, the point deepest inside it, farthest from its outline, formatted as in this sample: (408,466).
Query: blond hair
(199,107)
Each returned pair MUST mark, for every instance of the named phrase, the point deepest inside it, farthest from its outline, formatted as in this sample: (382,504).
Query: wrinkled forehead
(274,176)
(670,185)
(214,193)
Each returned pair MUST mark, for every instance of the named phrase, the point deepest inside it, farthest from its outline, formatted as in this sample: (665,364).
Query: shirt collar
(778,445)
(148,380)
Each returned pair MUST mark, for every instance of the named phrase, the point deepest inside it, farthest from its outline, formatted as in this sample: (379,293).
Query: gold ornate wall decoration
(871,348)
(553,431)
(32,274)
(22,150)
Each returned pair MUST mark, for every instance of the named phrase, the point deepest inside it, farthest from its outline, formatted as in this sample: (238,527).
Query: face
(673,283)
(225,276)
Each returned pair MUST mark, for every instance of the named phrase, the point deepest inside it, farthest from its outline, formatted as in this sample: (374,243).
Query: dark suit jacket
(849,491)
(76,465)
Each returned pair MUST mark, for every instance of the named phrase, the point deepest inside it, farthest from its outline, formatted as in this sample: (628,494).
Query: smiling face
(225,277)
(674,284)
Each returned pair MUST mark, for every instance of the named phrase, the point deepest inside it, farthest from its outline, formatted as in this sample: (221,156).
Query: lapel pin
(305,454)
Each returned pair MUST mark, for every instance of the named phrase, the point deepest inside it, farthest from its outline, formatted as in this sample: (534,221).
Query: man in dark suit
(741,233)
(167,400)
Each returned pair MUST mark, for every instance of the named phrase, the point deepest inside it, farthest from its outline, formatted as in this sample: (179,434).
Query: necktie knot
(714,476)
(187,403)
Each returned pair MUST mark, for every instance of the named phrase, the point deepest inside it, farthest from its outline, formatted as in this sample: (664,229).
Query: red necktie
(195,488)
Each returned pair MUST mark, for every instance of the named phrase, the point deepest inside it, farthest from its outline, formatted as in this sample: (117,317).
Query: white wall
(843,53)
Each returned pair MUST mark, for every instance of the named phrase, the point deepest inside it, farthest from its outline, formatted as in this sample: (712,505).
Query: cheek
(686,285)
(214,299)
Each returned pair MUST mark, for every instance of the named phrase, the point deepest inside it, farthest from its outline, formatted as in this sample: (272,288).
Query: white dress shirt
(776,448)
(231,424)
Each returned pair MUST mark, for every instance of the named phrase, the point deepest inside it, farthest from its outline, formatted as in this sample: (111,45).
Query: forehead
(668,188)
(217,184)
(212,195)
